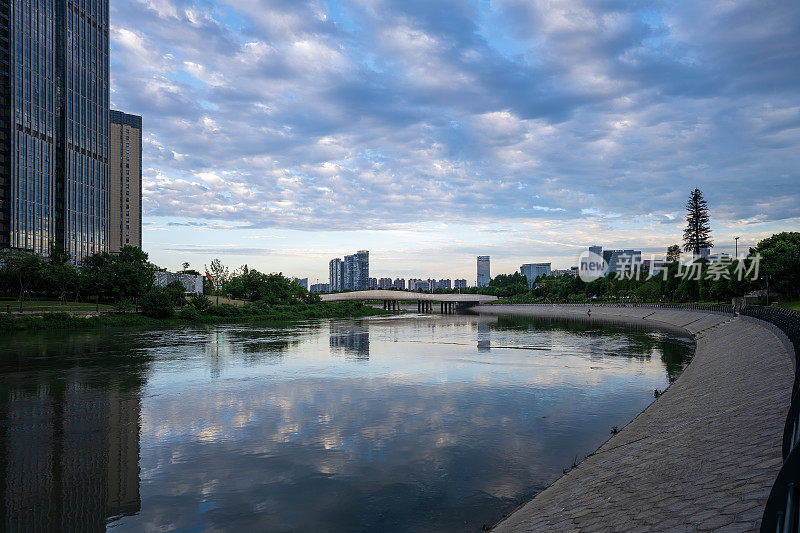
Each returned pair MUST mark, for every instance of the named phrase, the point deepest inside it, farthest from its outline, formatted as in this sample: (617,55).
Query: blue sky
(284,133)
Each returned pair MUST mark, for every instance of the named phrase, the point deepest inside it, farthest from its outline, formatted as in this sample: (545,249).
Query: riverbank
(188,316)
(703,456)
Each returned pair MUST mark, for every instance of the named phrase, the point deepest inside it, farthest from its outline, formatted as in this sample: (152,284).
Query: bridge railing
(782,513)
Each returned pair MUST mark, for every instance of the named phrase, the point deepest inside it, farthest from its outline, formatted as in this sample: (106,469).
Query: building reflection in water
(350,337)
(69,437)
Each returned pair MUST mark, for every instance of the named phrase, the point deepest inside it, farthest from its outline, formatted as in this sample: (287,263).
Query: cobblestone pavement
(702,457)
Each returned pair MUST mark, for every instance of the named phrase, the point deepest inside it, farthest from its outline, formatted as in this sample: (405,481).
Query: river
(395,423)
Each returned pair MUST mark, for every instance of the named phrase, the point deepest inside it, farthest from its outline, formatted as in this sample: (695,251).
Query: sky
(283,133)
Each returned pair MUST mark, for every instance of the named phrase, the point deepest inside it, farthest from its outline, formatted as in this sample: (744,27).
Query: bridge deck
(407,295)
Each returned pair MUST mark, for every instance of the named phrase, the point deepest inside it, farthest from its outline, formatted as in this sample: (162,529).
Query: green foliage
(781,262)
(697,234)
(250,284)
(257,312)
(157,303)
(115,277)
(176,291)
(673,254)
(23,272)
(190,313)
(200,302)
(224,310)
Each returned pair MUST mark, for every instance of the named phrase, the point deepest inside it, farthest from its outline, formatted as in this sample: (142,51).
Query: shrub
(157,303)
(176,292)
(224,310)
(200,302)
(123,306)
(189,313)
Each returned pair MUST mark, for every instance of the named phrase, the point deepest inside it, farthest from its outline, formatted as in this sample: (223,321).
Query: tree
(185,266)
(60,275)
(219,274)
(176,291)
(25,268)
(780,257)
(157,303)
(123,276)
(697,234)
(673,254)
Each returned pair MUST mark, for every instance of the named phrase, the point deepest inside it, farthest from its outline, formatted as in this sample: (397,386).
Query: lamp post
(737,247)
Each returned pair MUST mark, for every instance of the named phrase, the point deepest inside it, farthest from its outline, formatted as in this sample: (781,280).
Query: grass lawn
(791,305)
(46,306)
(224,300)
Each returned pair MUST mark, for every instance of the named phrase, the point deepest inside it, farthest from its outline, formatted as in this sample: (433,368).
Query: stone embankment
(701,457)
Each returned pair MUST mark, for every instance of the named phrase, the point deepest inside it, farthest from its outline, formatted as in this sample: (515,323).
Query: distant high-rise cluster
(352,274)
(55,167)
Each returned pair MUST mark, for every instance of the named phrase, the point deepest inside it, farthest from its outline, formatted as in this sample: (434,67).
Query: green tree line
(127,279)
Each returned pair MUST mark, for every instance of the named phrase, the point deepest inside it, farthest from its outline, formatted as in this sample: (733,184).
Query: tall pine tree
(697,234)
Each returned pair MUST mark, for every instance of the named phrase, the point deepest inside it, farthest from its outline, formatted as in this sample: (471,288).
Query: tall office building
(54,90)
(125,183)
(484,276)
(597,250)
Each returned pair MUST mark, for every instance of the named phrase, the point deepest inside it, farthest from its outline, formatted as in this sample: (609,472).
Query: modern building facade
(620,261)
(356,271)
(535,270)
(352,274)
(336,274)
(484,271)
(460,284)
(125,181)
(54,89)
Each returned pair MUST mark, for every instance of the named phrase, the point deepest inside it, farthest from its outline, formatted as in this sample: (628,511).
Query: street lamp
(737,247)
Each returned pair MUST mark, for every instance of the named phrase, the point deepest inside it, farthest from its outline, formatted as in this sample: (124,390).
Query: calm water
(383,424)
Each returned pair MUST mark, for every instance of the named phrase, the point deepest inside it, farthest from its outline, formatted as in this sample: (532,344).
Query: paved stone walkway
(702,457)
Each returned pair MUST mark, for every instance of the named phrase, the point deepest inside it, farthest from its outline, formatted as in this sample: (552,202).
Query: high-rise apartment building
(460,284)
(125,183)
(54,91)
(336,274)
(484,276)
(352,274)
(356,271)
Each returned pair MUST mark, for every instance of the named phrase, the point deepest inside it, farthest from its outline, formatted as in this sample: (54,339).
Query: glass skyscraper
(54,154)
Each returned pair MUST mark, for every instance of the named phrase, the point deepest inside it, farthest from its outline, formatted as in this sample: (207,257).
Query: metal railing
(782,513)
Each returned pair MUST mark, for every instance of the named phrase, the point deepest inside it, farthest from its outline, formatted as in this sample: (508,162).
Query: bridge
(448,303)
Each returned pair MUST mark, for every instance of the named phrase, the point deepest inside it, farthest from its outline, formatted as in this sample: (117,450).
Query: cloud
(367,114)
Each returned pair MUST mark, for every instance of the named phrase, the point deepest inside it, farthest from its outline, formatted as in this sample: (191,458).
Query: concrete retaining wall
(703,456)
